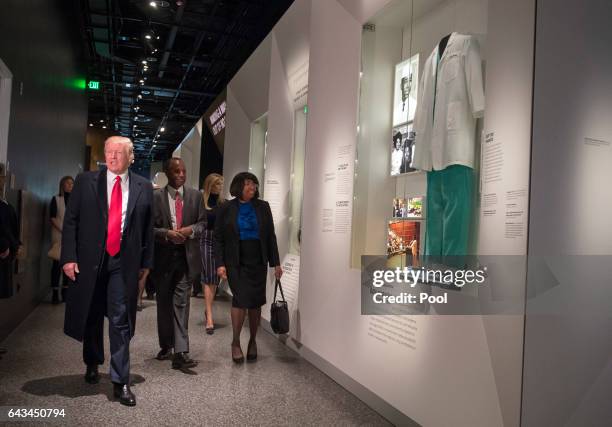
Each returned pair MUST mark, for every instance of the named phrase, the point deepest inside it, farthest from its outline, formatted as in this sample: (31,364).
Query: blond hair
(209,182)
(122,140)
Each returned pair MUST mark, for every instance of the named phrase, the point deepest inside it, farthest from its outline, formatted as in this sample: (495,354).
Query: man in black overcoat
(107,247)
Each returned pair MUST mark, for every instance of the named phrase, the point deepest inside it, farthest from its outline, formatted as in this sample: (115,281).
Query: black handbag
(279,312)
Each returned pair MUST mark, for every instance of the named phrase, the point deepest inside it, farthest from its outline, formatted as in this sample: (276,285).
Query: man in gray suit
(179,219)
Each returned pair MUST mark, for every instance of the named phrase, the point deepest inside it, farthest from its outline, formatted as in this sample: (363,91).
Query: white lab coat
(445,119)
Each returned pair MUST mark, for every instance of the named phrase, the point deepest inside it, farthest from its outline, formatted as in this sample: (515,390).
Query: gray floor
(44,369)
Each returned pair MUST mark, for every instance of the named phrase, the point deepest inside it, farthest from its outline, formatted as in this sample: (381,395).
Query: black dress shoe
(124,394)
(164,354)
(182,360)
(91,374)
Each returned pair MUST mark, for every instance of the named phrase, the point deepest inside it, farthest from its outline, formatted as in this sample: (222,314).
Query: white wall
(247,100)
(457,372)
(189,150)
(568,375)
(6,79)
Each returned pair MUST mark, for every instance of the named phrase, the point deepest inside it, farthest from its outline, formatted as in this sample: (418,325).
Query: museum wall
(46,139)
(247,100)
(189,150)
(288,68)
(567,372)
(327,326)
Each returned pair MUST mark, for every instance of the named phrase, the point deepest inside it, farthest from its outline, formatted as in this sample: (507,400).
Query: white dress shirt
(451,98)
(125,192)
(172,192)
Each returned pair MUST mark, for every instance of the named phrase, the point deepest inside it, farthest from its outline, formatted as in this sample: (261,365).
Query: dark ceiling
(161,63)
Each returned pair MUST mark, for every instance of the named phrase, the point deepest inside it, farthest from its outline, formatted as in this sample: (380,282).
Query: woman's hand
(278,271)
(222,272)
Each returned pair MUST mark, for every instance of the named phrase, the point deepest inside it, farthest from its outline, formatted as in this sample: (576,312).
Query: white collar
(172,191)
(110,176)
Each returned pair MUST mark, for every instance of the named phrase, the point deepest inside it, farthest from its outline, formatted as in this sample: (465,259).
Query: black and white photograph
(402,150)
(405,90)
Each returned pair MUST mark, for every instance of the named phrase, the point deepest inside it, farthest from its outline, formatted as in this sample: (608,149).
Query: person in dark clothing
(107,248)
(57,209)
(179,219)
(9,240)
(245,243)
(213,198)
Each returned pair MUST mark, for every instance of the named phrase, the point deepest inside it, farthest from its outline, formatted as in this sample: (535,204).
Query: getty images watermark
(442,285)
(412,276)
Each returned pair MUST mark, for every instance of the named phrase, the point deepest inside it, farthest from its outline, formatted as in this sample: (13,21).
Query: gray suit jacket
(194,214)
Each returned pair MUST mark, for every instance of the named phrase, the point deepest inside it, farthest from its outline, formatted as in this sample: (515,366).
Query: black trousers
(109,298)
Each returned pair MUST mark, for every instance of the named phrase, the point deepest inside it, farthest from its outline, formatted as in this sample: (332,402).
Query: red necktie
(178,205)
(113,240)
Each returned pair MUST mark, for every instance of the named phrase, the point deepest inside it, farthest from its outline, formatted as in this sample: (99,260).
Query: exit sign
(94,85)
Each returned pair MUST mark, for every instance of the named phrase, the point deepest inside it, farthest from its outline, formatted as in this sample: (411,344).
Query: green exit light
(94,85)
(305,109)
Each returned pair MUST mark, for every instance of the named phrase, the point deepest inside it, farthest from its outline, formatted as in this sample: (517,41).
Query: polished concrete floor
(44,369)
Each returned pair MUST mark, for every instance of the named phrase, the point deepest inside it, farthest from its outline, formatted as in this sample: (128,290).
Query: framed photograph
(402,150)
(411,207)
(405,90)
(403,237)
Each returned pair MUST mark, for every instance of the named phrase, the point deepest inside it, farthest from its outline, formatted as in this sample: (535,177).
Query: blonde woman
(213,197)
(57,208)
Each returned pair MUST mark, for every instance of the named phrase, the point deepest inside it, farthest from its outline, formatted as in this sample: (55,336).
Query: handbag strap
(278,286)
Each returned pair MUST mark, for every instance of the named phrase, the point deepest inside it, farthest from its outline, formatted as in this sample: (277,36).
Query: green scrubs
(449,210)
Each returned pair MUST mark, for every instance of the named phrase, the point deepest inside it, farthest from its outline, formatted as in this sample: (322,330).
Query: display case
(422,85)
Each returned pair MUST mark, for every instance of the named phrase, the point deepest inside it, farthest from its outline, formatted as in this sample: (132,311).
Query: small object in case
(279,312)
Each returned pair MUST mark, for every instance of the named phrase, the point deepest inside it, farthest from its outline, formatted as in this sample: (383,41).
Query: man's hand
(71,269)
(222,272)
(186,231)
(278,271)
(5,254)
(175,237)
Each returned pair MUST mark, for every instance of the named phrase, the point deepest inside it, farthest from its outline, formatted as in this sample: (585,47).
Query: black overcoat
(84,242)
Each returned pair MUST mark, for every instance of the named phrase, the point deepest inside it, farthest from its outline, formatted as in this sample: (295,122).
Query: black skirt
(248,280)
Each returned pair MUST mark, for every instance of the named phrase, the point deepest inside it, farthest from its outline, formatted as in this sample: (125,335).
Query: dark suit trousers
(173,293)
(109,298)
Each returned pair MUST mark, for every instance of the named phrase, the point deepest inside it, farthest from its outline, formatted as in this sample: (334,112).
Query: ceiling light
(157,37)
(162,129)
(101,121)
(144,62)
(91,124)
(128,85)
(103,127)
(148,37)
(139,96)
(153,4)
(141,81)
